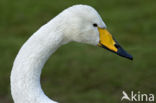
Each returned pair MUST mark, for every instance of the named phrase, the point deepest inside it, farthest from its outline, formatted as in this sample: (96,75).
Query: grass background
(79,73)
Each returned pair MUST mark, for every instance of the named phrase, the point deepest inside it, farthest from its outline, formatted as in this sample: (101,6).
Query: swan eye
(95,25)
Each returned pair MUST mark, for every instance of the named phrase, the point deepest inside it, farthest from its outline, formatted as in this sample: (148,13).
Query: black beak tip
(130,57)
(123,53)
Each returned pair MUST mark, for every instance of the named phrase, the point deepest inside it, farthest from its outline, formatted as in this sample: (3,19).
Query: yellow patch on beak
(106,40)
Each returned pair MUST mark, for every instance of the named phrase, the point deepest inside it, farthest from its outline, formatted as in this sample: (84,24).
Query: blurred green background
(80,73)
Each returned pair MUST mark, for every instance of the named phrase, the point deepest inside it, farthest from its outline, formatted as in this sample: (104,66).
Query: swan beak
(109,43)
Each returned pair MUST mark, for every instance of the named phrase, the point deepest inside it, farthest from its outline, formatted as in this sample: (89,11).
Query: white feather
(73,24)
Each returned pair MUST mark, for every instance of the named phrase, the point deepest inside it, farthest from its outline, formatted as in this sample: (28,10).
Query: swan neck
(26,71)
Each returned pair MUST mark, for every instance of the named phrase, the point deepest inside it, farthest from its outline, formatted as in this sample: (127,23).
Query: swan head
(84,24)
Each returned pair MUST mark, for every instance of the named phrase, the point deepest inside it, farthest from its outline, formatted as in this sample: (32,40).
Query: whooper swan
(79,23)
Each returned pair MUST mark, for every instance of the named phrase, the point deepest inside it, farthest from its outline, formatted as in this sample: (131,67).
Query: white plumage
(73,24)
